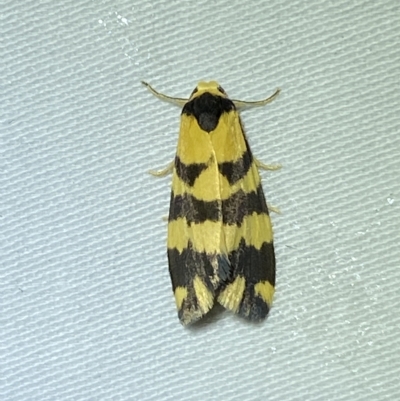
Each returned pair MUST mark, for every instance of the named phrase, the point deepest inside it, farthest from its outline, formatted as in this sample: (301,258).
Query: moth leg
(175,100)
(271,167)
(274,209)
(241,104)
(165,171)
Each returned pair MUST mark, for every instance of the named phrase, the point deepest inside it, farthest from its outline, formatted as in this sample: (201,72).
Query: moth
(220,241)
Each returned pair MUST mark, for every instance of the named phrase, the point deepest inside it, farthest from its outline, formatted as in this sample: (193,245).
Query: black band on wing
(233,210)
(235,171)
(188,173)
(254,264)
(242,204)
(193,210)
(185,266)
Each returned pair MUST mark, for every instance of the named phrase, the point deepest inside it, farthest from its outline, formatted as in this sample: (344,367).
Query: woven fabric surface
(86,307)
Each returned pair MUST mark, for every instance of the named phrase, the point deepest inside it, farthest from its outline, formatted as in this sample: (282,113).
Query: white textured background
(86,308)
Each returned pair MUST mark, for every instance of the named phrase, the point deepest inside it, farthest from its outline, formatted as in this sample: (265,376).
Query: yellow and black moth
(220,244)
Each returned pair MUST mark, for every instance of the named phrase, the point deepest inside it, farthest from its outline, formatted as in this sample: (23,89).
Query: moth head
(212,87)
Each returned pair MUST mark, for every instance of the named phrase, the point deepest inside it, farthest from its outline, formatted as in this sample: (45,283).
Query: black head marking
(207,109)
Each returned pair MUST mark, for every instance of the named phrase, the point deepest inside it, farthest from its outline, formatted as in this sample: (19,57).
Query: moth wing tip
(189,316)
